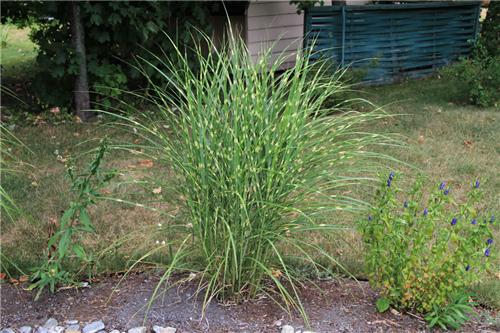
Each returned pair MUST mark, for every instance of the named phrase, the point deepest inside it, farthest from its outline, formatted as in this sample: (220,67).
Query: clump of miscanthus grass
(258,162)
(9,164)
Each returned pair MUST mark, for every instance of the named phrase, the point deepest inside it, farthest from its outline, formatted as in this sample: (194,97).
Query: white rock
(71,322)
(94,327)
(7,330)
(140,329)
(73,329)
(51,323)
(159,329)
(115,331)
(287,329)
(56,329)
(42,329)
(308,332)
(25,329)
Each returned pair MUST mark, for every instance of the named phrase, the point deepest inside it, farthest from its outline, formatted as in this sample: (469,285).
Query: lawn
(446,140)
(18,51)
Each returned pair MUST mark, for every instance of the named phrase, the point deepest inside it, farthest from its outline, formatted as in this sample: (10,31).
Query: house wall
(220,28)
(274,24)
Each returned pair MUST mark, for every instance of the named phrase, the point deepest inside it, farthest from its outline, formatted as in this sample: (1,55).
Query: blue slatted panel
(393,41)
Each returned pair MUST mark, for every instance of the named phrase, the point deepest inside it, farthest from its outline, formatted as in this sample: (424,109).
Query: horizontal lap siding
(393,41)
(274,24)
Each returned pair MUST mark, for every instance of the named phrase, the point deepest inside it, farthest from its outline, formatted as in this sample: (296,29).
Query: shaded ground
(337,306)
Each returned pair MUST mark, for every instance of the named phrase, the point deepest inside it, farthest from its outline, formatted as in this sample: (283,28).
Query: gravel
(51,323)
(287,329)
(94,327)
(159,329)
(140,329)
(72,326)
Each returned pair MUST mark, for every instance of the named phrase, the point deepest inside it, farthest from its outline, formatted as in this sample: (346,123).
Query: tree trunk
(81,92)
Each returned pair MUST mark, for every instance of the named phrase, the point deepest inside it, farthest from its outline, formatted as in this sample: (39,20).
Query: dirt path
(338,306)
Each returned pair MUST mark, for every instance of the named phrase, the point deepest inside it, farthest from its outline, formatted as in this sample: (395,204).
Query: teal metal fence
(393,41)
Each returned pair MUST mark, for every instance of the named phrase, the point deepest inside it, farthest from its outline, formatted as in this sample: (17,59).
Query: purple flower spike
(369,217)
(426,212)
(487,252)
(446,191)
(492,218)
(467,268)
(476,185)
(391,175)
(489,241)
(442,185)
(474,221)
(454,221)
(405,204)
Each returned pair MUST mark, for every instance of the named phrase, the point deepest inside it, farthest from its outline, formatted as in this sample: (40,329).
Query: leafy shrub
(64,242)
(479,76)
(259,163)
(490,29)
(115,33)
(421,252)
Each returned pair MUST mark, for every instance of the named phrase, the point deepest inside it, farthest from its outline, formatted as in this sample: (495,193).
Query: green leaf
(67,216)
(96,19)
(79,251)
(85,219)
(383,304)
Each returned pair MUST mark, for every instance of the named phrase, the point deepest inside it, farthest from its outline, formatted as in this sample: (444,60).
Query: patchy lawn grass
(17,50)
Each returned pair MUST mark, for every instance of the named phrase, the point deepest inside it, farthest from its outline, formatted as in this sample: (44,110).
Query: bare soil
(336,306)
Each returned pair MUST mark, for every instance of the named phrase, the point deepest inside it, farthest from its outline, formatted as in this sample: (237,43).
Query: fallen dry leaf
(78,120)
(276,273)
(14,281)
(146,163)
(421,139)
(468,143)
(23,278)
(55,110)
(2,276)
(157,190)
(61,159)
(105,191)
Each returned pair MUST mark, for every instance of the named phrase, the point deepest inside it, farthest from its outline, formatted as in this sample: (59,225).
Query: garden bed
(341,305)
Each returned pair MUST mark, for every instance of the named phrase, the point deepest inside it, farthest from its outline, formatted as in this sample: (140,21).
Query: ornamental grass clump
(258,163)
(423,251)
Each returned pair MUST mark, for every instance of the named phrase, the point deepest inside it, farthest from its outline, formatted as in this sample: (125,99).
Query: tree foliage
(115,34)
(490,30)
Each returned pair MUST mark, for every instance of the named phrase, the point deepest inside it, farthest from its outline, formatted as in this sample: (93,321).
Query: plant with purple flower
(389,180)
(430,251)
(476,184)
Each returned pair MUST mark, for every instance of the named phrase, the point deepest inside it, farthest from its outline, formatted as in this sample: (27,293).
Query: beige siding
(274,23)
